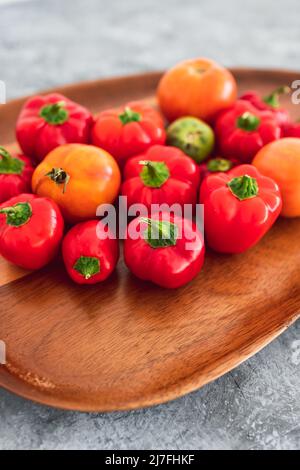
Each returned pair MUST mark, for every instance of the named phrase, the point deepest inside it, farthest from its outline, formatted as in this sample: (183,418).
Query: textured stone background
(46,43)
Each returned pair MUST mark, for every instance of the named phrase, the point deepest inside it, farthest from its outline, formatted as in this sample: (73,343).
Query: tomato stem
(154,174)
(55,114)
(160,233)
(59,176)
(10,165)
(243,187)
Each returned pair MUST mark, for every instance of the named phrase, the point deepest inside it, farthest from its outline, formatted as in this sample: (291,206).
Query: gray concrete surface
(46,43)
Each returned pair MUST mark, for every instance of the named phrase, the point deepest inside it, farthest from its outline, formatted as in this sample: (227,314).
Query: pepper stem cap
(18,214)
(55,114)
(243,187)
(154,174)
(160,233)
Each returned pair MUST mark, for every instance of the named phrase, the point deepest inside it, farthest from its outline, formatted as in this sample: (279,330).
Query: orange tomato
(79,178)
(280,160)
(196,87)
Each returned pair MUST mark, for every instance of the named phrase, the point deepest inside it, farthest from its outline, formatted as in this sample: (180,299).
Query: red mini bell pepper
(45,122)
(128,130)
(243,130)
(165,249)
(291,129)
(161,175)
(90,252)
(269,103)
(31,229)
(15,174)
(239,208)
(217,164)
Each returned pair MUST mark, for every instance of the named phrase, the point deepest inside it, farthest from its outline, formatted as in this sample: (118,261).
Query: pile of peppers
(70,161)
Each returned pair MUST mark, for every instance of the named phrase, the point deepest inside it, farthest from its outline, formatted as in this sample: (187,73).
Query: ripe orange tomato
(196,87)
(79,178)
(280,160)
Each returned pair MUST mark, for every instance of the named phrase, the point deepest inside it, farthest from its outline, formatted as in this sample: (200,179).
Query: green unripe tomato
(193,136)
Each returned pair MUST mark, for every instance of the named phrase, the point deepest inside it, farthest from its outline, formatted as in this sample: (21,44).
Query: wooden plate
(125,343)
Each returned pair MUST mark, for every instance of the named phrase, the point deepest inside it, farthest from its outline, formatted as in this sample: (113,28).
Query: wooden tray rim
(193,382)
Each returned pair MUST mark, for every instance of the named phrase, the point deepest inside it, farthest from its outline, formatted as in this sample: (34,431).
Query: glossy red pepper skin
(232,225)
(128,130)
(35,243)
(181,186)
(281,114)
(292,129)
(37,136)
(14,182)
(86,240)
(240,143)
(168,266)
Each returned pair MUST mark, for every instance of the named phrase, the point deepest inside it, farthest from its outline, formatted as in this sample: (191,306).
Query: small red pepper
(269,103)
(90,252)
(45,122)
(217,164)
(15,174)
(291,129)
(165,249)
(239,208)
(31,229)
(128,130)
(243,130)
(161,175)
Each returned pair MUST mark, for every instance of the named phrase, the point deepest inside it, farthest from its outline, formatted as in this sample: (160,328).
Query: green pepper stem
(5,155)
(248,122)
(154,174)
(129,115)
(273,98)
(87,266)
(160,233)
(10,165)
(243,187)
(55,114)
(219,164)
(17,215)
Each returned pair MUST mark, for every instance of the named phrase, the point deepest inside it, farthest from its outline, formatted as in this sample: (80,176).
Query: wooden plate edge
(181,388)
(155,74)
(232,359)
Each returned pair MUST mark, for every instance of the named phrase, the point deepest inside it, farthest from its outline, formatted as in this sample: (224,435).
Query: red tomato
(196,87)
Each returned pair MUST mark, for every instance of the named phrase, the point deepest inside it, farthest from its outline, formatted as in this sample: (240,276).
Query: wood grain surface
(126,343)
